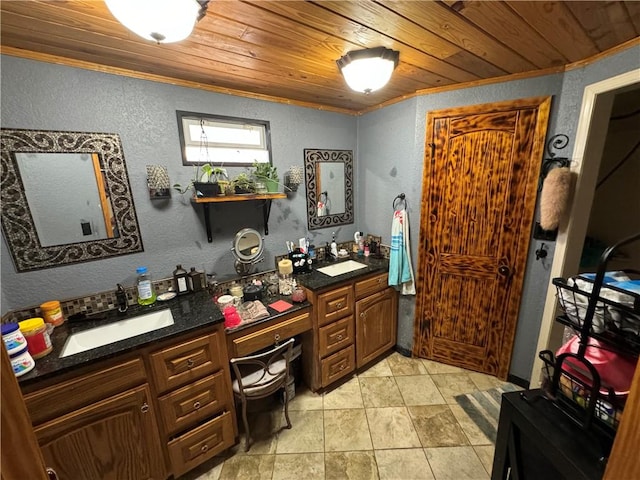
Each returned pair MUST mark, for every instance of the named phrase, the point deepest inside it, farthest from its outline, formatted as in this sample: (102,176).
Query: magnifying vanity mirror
(248,247)
(66,198)
(329,181)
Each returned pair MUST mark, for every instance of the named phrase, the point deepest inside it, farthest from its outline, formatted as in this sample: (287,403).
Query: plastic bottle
(334,246)
(146,292)
(180,280)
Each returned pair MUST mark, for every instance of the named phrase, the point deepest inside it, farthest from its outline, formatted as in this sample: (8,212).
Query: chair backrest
(261,374)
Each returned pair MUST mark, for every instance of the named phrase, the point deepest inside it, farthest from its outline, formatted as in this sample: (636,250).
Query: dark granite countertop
(317,281)
(190,312)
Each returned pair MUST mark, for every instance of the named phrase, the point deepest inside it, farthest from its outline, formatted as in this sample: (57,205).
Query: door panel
(479,190)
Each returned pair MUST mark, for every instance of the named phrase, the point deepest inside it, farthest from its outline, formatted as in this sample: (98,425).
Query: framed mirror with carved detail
(329,182)
(66,198)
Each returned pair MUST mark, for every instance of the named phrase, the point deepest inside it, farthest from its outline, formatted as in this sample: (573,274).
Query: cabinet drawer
(371,285)
(200,444)
(65,397)
(195,402)
(338,365)
(178,365)
(334,305)
(268,336)
(336,336)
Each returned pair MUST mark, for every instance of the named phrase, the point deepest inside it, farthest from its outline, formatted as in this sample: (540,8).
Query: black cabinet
(537,441)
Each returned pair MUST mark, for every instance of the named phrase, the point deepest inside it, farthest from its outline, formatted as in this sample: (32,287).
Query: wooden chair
(258,376)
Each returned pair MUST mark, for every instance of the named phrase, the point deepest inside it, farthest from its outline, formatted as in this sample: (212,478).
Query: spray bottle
(334,245)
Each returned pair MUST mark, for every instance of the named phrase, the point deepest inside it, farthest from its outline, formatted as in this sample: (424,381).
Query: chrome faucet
(121,298)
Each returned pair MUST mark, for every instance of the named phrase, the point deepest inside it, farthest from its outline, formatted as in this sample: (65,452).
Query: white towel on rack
(400,267)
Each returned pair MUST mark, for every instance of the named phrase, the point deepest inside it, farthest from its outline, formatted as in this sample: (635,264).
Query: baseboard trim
(405,352)
(521,382)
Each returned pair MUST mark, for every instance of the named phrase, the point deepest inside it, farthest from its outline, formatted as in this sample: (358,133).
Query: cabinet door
(376,325)
(115,438)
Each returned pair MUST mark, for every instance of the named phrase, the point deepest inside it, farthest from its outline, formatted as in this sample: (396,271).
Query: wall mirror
(329,181)
(248,246)
(65,198)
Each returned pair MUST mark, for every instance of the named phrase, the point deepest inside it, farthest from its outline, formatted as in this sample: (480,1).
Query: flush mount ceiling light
(368,70)
(163,21)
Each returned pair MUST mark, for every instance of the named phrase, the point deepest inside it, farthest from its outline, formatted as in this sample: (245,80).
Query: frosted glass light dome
(368,70)
(163,21)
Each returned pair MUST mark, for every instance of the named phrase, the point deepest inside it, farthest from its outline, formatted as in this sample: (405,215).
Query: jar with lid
(21,362)
(180,280)
(13,338)
(38,341)
(286,281)
(146,292)
(52,313)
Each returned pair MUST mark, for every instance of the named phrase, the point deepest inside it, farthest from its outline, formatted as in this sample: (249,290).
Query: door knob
(504,270)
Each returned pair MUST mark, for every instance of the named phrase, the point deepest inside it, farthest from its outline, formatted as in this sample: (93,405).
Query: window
(221,140)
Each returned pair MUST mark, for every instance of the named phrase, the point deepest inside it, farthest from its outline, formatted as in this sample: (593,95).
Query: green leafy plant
(265,171)
(243,183)
(204,173)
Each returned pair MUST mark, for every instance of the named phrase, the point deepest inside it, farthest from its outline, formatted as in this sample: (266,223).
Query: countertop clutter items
(52,313)
(16,345)
(37,336)
(146,290)
(180,280)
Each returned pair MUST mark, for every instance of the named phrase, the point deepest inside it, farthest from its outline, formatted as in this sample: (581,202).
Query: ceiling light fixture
(163,21)
(368,70)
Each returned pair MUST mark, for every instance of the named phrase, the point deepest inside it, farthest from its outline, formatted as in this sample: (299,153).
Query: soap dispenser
(334,246)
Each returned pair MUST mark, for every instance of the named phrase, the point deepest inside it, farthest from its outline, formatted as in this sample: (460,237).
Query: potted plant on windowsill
(268,174)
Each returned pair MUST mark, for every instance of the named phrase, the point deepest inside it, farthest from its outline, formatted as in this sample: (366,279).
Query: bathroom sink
(116,331)
(341,268)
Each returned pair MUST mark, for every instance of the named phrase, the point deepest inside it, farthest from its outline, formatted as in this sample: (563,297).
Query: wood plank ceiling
(286,50)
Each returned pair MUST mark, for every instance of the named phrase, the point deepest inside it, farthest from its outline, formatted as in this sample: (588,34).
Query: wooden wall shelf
(266,197)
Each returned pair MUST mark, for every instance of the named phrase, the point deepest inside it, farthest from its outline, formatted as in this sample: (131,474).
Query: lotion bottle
(334,246)
(146,292)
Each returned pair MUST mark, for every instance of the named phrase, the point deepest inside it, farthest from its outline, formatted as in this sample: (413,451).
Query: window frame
(222,119)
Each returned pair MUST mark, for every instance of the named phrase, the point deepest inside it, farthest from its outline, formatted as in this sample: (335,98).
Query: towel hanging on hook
(401,203)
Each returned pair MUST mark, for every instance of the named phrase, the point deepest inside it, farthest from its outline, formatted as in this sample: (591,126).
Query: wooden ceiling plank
(598,18)
(556,24)
(633,8)
(217,71)
(447,24)
(200,77)
(501,22)
(349,31)
(149,52)
(378,18)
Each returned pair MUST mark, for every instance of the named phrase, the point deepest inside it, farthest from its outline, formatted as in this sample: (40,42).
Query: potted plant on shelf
(268,174)
(242,183)
(211,182)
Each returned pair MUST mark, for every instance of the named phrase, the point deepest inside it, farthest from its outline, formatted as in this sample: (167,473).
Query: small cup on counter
(225,301)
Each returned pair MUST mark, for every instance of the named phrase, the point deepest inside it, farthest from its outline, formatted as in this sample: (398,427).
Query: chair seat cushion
(261,379)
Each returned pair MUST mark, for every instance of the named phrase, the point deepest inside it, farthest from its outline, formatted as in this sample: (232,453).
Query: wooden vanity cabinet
(157,412)
(354,323)
(376,318)
(88,425)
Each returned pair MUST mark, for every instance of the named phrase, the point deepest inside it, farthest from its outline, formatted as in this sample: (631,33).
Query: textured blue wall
(38,95)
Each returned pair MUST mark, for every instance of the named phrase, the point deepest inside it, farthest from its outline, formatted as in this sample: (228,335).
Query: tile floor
(396,421)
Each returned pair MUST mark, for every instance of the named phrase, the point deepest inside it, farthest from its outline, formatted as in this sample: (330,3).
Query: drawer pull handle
(190,363)
(144,408)
(379,280)
(276,337)
(196,405)
(339,337)
(204,448)
(339,305)
(362,315)
(342,366)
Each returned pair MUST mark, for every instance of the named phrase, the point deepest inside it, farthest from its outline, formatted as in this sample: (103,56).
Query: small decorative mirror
(329,181)
(247,247)
(66,198)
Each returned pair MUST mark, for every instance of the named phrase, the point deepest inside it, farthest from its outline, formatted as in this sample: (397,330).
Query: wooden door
(479,192)
(376,325)
(115,438)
